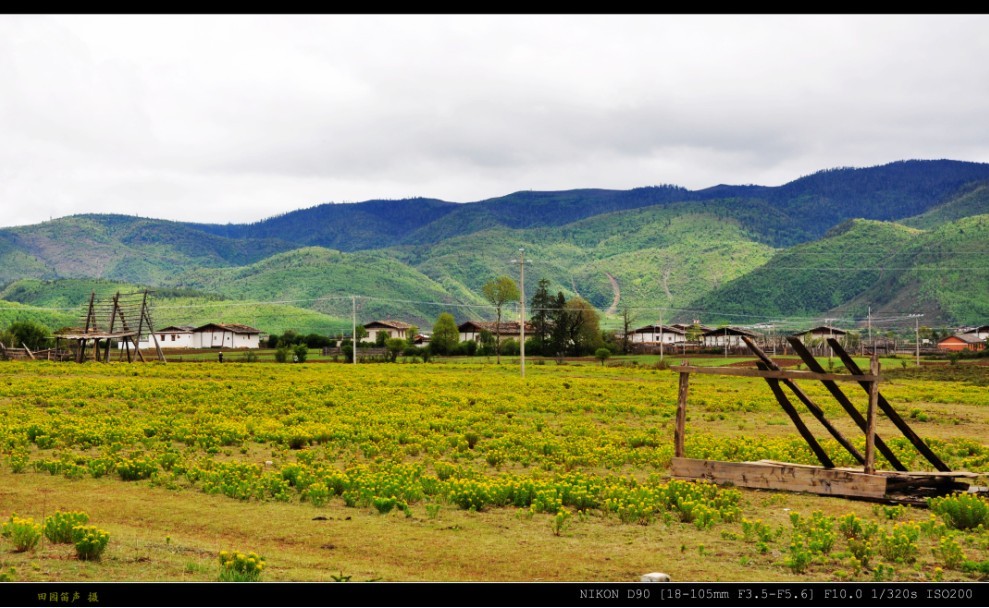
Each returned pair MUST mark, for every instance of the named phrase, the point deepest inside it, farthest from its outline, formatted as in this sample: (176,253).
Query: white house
(393,329)
(655,334)
(173,336)
(471,330)
(730,335)
(225,335)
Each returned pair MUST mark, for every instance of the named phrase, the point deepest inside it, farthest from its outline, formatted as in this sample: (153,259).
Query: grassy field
(458,471)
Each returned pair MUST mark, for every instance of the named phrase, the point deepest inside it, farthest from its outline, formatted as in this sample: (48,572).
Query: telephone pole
(522,310)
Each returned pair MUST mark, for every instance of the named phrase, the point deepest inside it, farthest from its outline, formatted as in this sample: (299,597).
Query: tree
(627,320)
(395,347)
(411,333)
(446,336)
(541,308)
(498,292)
(29,333)
(583,331)
(602,354)
(559,323)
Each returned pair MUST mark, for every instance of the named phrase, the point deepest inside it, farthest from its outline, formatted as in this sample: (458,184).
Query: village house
(174,336)
(211,335)
(392,329)
(471,330)
(960,342)
(655,334)
(730,336)
(821,334)
(226,335)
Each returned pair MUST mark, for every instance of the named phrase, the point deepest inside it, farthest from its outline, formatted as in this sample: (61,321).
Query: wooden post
(681,414)
(870,431)
(893,416)
(839,395)
(28,351)
(811,406)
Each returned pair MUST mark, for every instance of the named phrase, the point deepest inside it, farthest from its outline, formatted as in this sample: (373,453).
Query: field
(458,471)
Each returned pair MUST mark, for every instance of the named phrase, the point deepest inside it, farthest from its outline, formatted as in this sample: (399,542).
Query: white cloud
(236,118)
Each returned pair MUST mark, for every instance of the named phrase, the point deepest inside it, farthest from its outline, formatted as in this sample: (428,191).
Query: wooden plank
(28,351)
(843,401)
(681,422)
(829,482)
(798,422)
(887,409)
(777,375)
(870,418)
(812,407)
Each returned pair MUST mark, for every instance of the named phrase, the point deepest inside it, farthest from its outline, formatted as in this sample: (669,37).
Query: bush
(90,542)
(300,352)
(22,531)
(602,355)
(281,355)
(58,527)
(237,567)
(961,511)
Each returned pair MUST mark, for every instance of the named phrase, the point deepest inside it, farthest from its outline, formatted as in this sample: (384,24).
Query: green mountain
(896,270)
(822,244)
(323,280)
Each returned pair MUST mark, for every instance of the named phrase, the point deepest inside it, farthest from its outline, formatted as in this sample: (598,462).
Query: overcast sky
(238,118)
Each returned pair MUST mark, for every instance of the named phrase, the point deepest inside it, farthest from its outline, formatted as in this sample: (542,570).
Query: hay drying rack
(864,482)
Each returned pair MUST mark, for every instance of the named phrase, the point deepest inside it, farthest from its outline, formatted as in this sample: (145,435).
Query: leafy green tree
(602,355)
(411,333)
(541,308)
(395,347)
(34,335)
(379,338)
(500,291)
(583,326)
(446,336)
(301,351)
(559,324)
(487,341)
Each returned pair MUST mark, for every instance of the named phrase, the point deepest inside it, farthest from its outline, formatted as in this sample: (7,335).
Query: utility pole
(871,343)
(917,336)
(522,310)
(660,334)
(353,339)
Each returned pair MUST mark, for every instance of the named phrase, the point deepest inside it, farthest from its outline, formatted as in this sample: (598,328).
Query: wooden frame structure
(101,327)
(866,482)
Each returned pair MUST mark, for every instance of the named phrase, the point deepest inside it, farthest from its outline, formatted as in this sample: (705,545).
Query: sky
(236,118)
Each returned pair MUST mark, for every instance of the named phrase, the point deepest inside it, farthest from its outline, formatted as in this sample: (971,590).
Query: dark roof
(506,327)
(234,328)
(731,331)
(668,329)
(969,338)
(823,329)
(388,323)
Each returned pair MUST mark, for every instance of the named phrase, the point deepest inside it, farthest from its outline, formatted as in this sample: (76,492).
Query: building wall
(667,337)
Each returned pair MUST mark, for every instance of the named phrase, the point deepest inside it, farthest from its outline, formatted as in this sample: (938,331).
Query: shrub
(961,511)
(281,354)
(23,532)
(300,352)
(90,542)
(237,567)
(58,527)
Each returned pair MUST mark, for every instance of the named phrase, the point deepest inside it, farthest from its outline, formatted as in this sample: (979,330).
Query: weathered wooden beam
(816,411)
(791,411)
(870,418)
(887,409)
(842,399)
(681,421)
(778,375)
(28,351)
(793,478)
